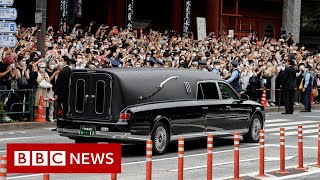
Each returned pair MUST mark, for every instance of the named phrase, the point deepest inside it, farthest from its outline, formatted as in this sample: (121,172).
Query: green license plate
(87,131)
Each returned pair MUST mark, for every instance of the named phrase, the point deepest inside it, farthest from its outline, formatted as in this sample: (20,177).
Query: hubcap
(256,127)
(160,139)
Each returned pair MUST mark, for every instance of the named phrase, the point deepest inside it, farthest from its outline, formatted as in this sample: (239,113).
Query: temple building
(242,17)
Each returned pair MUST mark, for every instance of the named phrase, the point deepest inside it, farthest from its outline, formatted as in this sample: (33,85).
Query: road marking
(24,176)
(296,132)
(218,164)
(287,158)
(278,120)
(289,146)
(192,155)
(18,138)
(290,123)
(290,128)
(274,177)
(311,116)
(313,136)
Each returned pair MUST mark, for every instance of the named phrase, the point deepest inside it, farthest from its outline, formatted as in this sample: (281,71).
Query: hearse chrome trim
(165,81)
(72,133)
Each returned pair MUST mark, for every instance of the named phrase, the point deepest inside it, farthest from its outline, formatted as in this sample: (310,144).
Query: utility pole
(40,20)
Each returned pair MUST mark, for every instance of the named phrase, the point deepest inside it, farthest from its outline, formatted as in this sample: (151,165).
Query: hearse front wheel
(160,138)
(253,135)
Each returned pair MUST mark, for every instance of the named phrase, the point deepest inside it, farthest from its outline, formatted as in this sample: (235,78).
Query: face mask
(138,65)
(176,58)
(74,44)
(42,69)
(13,66)
(52,66)
(27,57)
(23,63)
(61,64)
(218,67)
(194,55)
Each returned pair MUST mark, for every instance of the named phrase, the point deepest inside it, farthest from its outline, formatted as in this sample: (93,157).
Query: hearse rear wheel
(253,136)
(160,138)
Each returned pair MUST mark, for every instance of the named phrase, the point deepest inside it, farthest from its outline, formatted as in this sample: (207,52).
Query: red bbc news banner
(64,158)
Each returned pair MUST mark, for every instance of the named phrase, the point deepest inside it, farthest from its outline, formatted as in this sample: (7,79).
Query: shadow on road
(136,150)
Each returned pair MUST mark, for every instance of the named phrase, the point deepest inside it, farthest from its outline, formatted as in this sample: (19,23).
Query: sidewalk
(36,125)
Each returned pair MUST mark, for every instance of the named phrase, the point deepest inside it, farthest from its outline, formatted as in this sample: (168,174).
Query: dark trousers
(288,97)
(306,98)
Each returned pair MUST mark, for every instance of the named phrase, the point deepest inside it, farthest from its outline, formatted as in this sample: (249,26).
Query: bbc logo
(40,158)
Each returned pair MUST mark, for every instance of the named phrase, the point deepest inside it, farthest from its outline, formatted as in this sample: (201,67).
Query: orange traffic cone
(264,98)
(40,114)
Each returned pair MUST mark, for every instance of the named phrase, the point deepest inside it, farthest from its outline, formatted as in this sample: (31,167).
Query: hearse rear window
(207,90)
(80,95)
(100,96)
(227,92)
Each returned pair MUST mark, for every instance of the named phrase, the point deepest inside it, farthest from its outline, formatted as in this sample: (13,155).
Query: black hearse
(132,104)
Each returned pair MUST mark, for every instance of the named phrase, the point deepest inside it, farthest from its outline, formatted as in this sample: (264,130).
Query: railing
(17,99)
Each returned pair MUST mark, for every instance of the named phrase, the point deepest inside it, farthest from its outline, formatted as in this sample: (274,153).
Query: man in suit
(288,86)
(62,84)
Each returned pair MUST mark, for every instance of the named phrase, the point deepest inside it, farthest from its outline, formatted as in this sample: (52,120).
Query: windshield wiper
(159,87)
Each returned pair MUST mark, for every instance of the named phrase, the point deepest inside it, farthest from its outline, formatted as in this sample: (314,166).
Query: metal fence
(17,103)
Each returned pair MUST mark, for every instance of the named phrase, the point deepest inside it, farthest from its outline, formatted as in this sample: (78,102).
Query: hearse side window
(80,95)
(100,96)
(227,92)
(207,90)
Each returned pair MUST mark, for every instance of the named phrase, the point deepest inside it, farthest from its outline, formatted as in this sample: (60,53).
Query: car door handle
(86,99)
(228,107)
(92,97)
(205,108)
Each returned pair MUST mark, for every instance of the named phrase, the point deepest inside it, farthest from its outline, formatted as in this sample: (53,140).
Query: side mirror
(245,97)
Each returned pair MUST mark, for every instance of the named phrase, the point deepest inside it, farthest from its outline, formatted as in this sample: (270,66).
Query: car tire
(160,138)
(253,136)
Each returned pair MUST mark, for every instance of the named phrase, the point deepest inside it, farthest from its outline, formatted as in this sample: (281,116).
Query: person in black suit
(62,84)
(288,86)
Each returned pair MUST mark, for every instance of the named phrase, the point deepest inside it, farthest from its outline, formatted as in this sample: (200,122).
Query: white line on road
(277,120)
(296,132)
(289,146)
(313,136)
(24,176)
(19,138)
(192,155)
(218,164)
(290,123)
(290,128)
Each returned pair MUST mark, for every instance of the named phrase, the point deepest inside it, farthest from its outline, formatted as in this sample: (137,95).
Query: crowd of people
(249,64)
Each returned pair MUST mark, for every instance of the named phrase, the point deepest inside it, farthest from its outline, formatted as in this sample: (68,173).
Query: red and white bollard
(261,169)
(300,149)
(113,176)
(209,159)
(318,163)
(3,167)
(46,176)
(282,154)
(180,158)
(149,160)
(236,156)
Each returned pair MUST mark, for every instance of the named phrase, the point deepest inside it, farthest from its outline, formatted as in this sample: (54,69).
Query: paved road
(165,166)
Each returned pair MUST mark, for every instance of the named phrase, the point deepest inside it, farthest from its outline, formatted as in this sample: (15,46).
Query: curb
(282,108)
(26,125)
(37,125)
